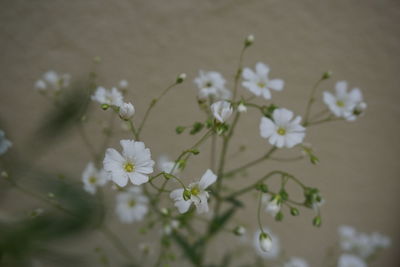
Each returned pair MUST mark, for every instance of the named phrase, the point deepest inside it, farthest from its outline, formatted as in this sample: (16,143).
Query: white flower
(123,84)
(258,83)
(347,235)
(52,80)
(126,111)
(242,108)
(296,262)
(110,97)
(170,226)
(274,248)
(221,110)
(135,163)
(5,144)
(131,205)
(198,194)
(343,104)
(166,165)
(273,204)
(211,84)
(380,241)
(93,178)
(348,260)
(282,131)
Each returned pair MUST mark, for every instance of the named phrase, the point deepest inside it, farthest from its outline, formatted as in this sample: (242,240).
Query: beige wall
(149,42)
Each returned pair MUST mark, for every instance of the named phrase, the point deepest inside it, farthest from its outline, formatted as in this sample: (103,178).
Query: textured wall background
(149,42)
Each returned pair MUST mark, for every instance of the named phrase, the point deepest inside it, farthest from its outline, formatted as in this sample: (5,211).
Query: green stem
(238,73)
(311,101)
(251,163)
(118,244)
(259,212)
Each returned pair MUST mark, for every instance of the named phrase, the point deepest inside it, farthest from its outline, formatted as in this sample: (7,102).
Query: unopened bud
(126,111)
(105,106)
(242,108)
(186,194)
(279,216)
(265,242)
(249,40)
(326,75)
(239,230)
(181,78)
(317,221)
(294,211)
(179,129)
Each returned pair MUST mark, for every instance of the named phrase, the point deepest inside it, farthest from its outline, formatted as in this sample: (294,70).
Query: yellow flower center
(261,84)
(281,131)
(195,191)
(92,180)
(340,103)
(129,167)
(131,203)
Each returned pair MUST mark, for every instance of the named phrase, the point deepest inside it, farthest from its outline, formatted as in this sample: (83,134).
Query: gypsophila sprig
(169,211)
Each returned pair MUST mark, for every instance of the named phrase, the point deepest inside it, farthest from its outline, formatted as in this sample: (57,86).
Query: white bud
(239,230)
(181,77)
(40,85)
(249,40)
(126,111)
(265,242)
(242,108)
(123,84)
(221,110)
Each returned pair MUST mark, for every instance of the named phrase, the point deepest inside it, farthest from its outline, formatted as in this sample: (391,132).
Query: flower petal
(207,179)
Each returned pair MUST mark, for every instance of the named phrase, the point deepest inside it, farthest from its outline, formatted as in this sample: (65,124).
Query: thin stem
(86,141)
(259,212)
(213,151)
(311,101)
(151,106)
(238,73)
(133,130)
(118,244)
(287,159)
(330,118)
(251,163)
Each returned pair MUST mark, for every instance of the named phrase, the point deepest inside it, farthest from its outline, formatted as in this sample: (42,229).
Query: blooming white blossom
(343,104)
(5,144)
(222,110)
(131,205)
(135,163)
(126,111)
(166,165)
(123,84)
(296,262)
(274,247)
(349,260)
(282,131)
(53,81)
(198,194)
(110,97)
(93,178)
(273,204)
(212,84)
(258,82)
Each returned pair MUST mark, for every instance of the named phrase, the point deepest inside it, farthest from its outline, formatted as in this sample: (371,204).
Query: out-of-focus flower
(111,97)
(123,84)
(258,82)
(93,178)
(274,248)
(167,166)
(242,108)
(282,131)
(343,104)
(126,111)
(348,260)
(195,193)
(52,80)
(134,164)
(211,84)
(131,205)
(5,144)
(221,110)
(296,262)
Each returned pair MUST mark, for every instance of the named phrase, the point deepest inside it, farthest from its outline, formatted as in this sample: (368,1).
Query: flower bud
(181,78)
(249,40)
(239,230)
(279,216)
(179,129)
(126,111)
(326,75)
(265,242)
(242,108)
(105,106)
(294,211)
(317,221)
(262,187)
(360,108)
(123,84)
